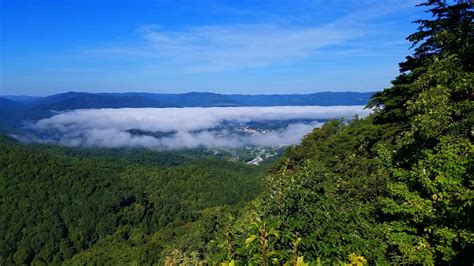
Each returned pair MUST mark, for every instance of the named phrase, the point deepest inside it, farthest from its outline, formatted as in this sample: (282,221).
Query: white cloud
(215,48)
(186,127)
(210,48)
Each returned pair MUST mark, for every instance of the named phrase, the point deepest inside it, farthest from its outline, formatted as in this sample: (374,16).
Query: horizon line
(183,93)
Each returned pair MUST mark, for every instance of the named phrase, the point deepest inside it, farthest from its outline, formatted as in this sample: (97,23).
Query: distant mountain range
(14,109)
(75,100)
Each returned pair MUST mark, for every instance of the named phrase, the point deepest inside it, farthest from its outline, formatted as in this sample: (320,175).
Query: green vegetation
(393,188)
(104,206)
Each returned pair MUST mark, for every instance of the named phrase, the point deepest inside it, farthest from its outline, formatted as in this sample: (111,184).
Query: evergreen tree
(449,32)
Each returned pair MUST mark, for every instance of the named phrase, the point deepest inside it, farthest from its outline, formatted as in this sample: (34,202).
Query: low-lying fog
(174,128)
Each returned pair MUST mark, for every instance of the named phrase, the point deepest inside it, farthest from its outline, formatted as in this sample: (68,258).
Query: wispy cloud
(241,46)
(217,48)
(229,47)
(256,46)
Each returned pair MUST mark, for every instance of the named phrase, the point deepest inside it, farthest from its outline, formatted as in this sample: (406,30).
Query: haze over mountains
(213,179)
(77,100)
(174,121)
(15,109)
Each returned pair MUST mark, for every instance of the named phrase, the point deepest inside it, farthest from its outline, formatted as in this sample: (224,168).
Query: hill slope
(121,206)
(394,188)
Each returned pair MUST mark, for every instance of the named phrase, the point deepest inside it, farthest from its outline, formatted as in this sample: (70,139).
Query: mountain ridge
(15,109)
(75,100)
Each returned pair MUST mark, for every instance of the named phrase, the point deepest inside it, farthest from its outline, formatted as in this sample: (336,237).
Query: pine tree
(448,33)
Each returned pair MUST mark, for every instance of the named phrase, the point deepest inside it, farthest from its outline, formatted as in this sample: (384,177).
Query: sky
(247,47)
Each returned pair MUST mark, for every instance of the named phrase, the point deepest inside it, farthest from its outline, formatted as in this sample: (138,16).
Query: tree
(449,32)
(428,209)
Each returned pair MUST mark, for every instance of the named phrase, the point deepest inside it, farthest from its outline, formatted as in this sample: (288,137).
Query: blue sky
(251,47)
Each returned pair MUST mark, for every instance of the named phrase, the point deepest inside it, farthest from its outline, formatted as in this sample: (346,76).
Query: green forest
(99,206)
(395,187)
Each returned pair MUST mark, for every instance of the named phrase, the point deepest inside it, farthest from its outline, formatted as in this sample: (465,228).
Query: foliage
(448,33)
(309,210)
(429,209)
(393,188)
(59,204)
(396,187)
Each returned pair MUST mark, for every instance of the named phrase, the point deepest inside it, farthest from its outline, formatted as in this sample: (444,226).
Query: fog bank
(175,128)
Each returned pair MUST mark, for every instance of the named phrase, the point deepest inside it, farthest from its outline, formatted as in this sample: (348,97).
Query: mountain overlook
(330,178)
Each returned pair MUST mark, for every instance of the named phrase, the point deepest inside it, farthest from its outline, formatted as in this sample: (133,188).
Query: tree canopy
(393,188)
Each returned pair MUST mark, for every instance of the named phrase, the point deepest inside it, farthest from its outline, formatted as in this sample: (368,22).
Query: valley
(110,156)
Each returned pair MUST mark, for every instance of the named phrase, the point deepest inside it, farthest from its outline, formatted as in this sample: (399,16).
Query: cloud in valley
(175,128)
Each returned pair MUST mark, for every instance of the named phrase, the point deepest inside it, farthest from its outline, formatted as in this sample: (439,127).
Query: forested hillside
(394,188)
(99,207)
